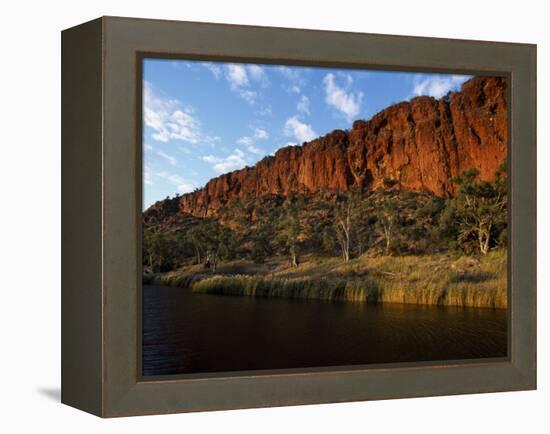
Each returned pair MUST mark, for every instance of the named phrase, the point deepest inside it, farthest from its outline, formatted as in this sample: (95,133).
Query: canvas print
(307,217)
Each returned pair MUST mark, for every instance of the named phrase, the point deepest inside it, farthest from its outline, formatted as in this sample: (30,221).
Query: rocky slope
(419,144)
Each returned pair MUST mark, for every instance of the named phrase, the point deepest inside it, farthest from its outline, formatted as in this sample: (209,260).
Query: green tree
(347,215)
(211,241)
(327,242)
(197,238)
(419,230)
(157,251)
(289,235)
(477,215)
(387,221)
(363,219)
(183,248)
(261,247)
(228,243)
(215,238)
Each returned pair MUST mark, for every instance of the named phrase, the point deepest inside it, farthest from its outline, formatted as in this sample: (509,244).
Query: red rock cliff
(420,144)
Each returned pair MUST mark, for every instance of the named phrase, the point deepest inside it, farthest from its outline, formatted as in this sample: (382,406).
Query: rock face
(420,145)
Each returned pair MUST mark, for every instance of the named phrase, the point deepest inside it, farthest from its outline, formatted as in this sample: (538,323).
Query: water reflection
(197,333)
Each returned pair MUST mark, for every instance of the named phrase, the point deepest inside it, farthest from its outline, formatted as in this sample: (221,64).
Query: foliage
(158,251)
(388,221)
(440,279)
(477,216)
(261,246)
(289,230)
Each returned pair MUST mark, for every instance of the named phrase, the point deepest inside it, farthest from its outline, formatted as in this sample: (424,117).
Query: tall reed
(302,288)
(356,290)
(439,279)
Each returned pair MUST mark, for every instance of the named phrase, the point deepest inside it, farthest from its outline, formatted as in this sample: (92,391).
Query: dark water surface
(191,333)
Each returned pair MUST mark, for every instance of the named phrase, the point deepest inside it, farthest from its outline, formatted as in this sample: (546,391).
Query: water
(199,333)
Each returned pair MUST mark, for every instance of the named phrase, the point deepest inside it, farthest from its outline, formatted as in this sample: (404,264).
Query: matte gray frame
(100,217)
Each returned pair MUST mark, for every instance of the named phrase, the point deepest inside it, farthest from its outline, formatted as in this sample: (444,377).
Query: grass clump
(437,279)
(338,290)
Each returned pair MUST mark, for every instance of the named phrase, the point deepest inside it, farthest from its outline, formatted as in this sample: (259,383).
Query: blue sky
(202,119)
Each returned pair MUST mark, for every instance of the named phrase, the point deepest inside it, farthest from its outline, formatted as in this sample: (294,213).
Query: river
(200,333)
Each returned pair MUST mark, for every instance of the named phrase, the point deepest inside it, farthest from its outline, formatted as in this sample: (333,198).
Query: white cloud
(245,141)
(301,131)
(257,73)
(212,159)
(248,95)
(240,78)
(266,111)
(236,75)
(212,141)
(284,145)
(181,184)
(167,157)
(347,77)
(186,187)
(289,73)
(303,105)
(347,102)
(260,133)
(295,79)
(168,118)
(147,175)
(248,142)
(216,70)
(153,150)
(437,85)
(255,150)
(236,160)
(183,126)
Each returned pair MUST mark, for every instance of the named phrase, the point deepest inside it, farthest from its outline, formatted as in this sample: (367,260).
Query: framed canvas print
(262,217)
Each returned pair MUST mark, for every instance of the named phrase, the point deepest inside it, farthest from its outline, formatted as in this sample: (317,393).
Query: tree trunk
(344,245)
(212,260)
(387,233)
(484,237)
(483,244)
(346,228)
(343,232)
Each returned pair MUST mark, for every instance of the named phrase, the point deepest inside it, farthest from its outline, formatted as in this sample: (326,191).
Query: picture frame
(101,209)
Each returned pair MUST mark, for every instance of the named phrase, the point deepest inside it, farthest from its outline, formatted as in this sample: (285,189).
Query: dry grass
(322,289)
(441,279)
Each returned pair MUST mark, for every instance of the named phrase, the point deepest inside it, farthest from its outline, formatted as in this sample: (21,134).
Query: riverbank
(437,279)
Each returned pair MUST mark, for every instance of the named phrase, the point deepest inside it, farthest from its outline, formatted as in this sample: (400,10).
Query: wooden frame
(101,191)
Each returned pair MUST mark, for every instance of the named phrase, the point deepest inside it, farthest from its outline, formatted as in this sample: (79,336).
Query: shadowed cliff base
(437,279)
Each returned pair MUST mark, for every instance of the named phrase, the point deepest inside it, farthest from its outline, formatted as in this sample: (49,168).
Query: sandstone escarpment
(419,144)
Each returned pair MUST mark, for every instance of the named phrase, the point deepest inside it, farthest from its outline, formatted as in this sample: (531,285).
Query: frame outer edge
(523,220)
(528,363)
(81,209)
(124,394)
